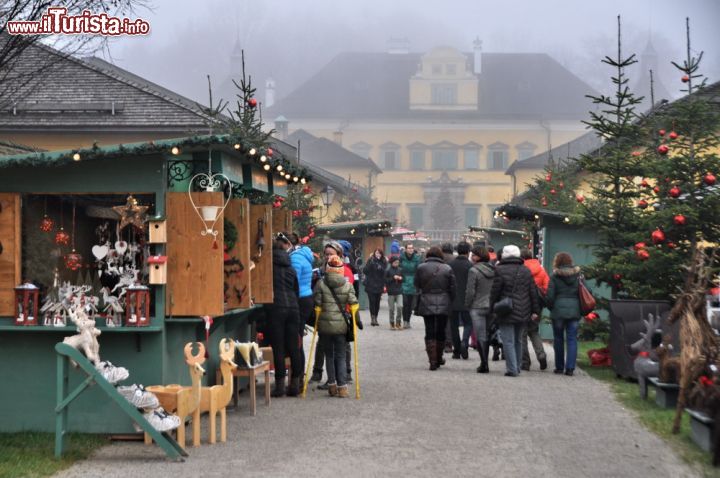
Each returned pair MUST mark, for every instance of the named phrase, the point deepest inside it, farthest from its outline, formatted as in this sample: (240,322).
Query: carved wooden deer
(698,344)
(181,400)
(216,398)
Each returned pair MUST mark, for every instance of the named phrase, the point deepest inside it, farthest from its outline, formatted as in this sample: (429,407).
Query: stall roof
(496,229)
(516,211)
(369,224)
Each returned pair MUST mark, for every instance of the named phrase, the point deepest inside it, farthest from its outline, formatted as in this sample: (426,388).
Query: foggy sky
(291,40)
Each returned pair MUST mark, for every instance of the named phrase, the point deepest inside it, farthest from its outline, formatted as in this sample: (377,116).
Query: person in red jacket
(532,330)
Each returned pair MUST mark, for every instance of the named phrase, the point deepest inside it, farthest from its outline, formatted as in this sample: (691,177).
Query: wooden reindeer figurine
(86,339)
(698,344)
(216,398)
(181,400)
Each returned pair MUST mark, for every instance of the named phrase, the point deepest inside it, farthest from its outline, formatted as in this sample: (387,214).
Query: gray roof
(92,94)
(9,148)
(327,154)
(584,144)
(376,85)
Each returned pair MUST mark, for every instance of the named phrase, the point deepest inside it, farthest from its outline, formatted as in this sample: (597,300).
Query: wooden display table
(251,373)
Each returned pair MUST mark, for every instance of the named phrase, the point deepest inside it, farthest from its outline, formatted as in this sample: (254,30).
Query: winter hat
(335,266)
(393,259)
(335,245)
(511,250)
(346,246)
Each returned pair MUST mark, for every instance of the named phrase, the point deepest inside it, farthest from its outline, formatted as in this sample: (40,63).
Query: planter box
(701,429)
(666,394)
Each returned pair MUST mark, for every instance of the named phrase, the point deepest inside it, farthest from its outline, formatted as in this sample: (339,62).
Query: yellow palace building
(443,126)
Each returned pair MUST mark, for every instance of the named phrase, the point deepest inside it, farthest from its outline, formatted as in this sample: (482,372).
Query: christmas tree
(556,188)
(302,201)
(359,206)
(610,208)
(442,214)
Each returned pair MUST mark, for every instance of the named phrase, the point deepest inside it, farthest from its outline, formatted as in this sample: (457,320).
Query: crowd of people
(496,299)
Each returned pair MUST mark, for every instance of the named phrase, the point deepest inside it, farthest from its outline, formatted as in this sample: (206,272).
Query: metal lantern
(27,297)
(210,214)
(137,306)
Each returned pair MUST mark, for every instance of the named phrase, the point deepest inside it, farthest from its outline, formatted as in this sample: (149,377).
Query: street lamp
(328,194)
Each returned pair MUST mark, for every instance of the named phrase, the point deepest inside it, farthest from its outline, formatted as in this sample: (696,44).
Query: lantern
(210,214)
(27,297)
(158,269)
(137,306)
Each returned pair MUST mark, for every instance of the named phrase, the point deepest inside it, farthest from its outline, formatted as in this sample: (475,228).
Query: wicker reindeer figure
(646,363)
(698,344)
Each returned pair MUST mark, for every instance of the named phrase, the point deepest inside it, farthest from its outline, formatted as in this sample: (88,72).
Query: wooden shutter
(261,276)
(237,276)
(281,220)
(195,268)
(10,259)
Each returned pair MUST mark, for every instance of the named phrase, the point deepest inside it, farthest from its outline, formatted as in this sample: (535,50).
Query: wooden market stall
(118,225)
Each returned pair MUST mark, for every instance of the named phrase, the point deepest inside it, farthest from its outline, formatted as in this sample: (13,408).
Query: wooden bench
(666,394)
(251,374)
(701,429)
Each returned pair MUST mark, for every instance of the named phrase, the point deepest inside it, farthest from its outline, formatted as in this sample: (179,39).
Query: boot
(439,351)
(293,389)
(407,325)
(333,389)
(343,391)
(316,376)
(374,321)
(543,361)
(431,348)
(279,390)
(484,349)
(496,354)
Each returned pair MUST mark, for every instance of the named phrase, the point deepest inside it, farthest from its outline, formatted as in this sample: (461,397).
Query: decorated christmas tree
(443,212)
(302,201)
(610,207)
(359,205)
(556,188)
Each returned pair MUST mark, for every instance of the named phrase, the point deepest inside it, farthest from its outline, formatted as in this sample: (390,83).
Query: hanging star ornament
(131,213)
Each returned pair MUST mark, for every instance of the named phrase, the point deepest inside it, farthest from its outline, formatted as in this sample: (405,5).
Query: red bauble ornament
(679,220)
(656,189)
(592,316)
(269,152)
(561,185)
(663,149)
(544,201)
(46,224)
(305,239)
(709,179)
(639,246)
(553,192)
(252,102)
(658,236)
(674,192)
(62,238)
(617,276)
(548,177)
(673,135)
(643,255)
(73,261)
(671,245)
(644,183)
(685,79)
(579,198)
(635,153)
(642,204)
(661,132)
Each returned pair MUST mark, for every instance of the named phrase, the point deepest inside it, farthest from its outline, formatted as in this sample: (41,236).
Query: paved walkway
(413,422)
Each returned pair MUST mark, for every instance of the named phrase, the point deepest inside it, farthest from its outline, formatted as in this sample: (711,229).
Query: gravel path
(413,422)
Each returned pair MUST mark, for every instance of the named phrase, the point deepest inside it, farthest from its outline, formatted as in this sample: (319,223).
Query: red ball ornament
(561,185)
(73,261)
(643,255)
(709,179)
(679,220)
(62,238)
(252,102)
(685,79)
(658,236)
(553,192)
(544,201)
(548,177)
(639,246)
(673,135)
(46,224)
(635,153)
(663,149)
(269,152)
(579,198)
(661,132)
(305,239)
(656,189)
(644,183)
(592,316)
(617,276)
(674,192)
(642,204)
(671,245)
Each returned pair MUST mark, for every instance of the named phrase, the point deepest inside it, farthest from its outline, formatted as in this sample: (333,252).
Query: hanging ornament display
(46,224)
(62,238)
(269,152)
(674,192)
(709,179)
(679,220)
(663,149)
(658,236)
(73,260)
(131,213)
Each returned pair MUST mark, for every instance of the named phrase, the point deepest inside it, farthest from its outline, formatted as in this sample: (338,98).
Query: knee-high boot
(440,350)
(431,349)
(484,350)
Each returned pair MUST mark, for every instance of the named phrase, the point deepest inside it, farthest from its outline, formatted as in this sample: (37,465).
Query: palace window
(497,156)
(416,217)
(472,159)
(471,216)
(444,94)
(445,159)
(390,158)
(417,160)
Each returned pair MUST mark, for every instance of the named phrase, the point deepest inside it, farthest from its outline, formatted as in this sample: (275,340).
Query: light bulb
(76,157)
(252,151)
(263,158)
(175,150)
(303,180)
(266,167)
(296,179)
(279,167)
(287,175)
(237,146)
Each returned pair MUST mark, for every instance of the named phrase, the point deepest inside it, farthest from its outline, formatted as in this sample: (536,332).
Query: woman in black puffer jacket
(514,280)
(374,283)
(435,282)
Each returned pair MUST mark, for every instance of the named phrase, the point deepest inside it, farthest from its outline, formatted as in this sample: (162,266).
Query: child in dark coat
(393,283)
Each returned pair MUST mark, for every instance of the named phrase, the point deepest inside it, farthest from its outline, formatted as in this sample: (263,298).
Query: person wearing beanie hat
(331,323)
(513,281)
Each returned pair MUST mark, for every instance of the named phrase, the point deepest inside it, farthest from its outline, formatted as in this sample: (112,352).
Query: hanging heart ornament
(210,214)
(121,247)
(100,251)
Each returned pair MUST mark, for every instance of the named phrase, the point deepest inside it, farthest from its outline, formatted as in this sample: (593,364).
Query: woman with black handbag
(436,283)
(564,303)
(333,294)
(514,302)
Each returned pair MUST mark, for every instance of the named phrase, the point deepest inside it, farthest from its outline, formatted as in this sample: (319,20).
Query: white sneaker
(111,373)
(161,420)
(139,397)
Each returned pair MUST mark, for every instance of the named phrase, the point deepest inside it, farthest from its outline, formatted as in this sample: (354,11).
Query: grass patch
(657,420)
(32,454)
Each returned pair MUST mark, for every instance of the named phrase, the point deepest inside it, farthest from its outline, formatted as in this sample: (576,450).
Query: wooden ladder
(65,353)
